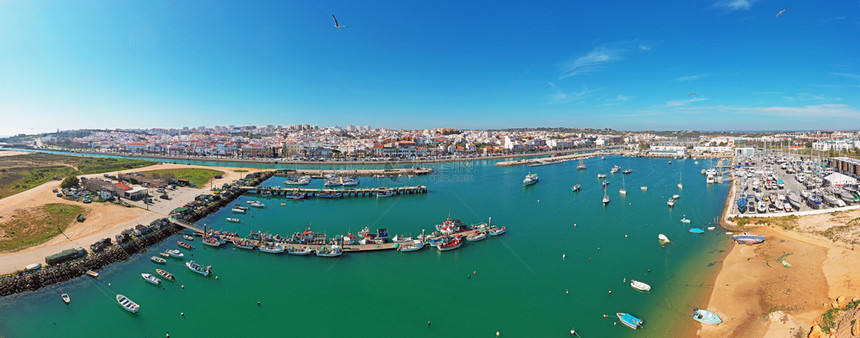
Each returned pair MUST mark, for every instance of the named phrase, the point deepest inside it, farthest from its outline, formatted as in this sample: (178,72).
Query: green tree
(71,181)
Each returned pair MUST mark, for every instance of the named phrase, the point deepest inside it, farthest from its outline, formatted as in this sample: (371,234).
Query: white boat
(605,196)
(303,251)
(92,274)
(640,285)
(670,202)
(127,304)
(530,179)
(477,237)
(414,246)
(188,237)
(644,188)
(335,251)
(680,186)
(663,239)
(158,260)
(193,266)
(601,176)
(685,220)
(676,196)
(495,231)
(150,278)
(272,248)
(234,220)
(175,253)
(66,298)
(711,228)
(238,211)
(258,205)
(623,190)
(164,274)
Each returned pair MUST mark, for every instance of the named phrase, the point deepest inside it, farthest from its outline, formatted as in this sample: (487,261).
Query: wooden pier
(361,192)
(319,173)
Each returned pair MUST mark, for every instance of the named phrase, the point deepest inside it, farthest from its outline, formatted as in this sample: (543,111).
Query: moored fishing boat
(450,244)
(334,251)
(193,266)
(414,246)
(184,245)
(272,248)
(92,274)
(127,303)
(642,286)
(237,211)
(479,236)
(187,237)
(164,254)
(157,259)
(164,274)
(243,244)
(295,196)
(629,320)
(495,231)
(66,298)
(258,204)
(706,317)
(384,193)
(212,241)
(303,251)
(329,194)
(234,220)
(150,278)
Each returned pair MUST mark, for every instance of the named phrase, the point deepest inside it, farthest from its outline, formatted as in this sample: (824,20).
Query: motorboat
(212,241)
(385,193)
(258,204)
(415,245)
(237,211)
(187,237)
(601,176)
(127,304)
(814,201)
(479,236)
(184,245)
(761,207)
(643,188)
(495,231)
(193,266)
(641,286)
(685,220)
(334,251)
(451,244)
(629,320)
(175,253)
(234,220)
(706,317)
(66,298)
(628,171)
(150,278)
(302,180)
(92,274)
(243,244)
(530,179)
(670,202)
(295,196)
(157,259)
(742,205)
(697,230)
(303,251)
(676,196)
(575,187)
(164,274)
(663,239)
(272,248)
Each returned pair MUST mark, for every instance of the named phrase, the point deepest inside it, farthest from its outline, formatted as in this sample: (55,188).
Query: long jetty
(550,160)
(319,173)
(361,192)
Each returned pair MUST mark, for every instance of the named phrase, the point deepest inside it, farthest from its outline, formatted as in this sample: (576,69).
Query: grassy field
(33,226)
(197,176)
(22,172)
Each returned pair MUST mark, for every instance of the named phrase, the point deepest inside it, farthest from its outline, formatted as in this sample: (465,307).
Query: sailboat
(605,196)
(680,186)
(581,165)
(623,190)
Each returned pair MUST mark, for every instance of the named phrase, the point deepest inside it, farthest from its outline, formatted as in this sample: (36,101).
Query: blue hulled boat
(697,230)
(742,204)
(629,320)
(706,317)
(748,239)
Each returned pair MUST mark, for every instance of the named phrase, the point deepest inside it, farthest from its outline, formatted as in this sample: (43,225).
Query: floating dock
(319,173)
(360,192)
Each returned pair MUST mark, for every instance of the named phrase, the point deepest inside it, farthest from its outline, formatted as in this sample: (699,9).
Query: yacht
(530,179)
(605,196)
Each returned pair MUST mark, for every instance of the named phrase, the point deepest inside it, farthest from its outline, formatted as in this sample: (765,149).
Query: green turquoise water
(519,286)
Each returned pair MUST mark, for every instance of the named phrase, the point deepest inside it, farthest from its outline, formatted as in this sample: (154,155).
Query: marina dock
(320,173)
(361,192)
(556,159)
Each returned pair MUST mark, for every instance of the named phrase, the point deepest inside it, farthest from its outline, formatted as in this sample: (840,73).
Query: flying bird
(335,23)
(780,13)
(691,94)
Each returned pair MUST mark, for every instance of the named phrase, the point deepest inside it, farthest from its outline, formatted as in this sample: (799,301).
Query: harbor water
(554,269)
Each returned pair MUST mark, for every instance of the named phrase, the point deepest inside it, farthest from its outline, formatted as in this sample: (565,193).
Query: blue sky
(403,64)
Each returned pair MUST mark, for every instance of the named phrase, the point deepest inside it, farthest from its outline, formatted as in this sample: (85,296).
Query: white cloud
(847,75)
(590,62)
(622,98)
(692,77)
(644,48)
(843,111)
(810,97)
(561,96)
(679,103)
(734,5)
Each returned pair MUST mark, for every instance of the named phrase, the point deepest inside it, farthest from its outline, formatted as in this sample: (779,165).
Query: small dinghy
(158,260)
(150,278)
(164,274)
(697,230)
(127,304)
(640,285)
(66,298)
(629,320)
(685,220)
(706,317)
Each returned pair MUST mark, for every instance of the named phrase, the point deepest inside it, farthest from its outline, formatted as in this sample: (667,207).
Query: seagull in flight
(692,94)
(335,23)
(780,13)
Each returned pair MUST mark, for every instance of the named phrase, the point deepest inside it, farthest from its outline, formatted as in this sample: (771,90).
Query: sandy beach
(103,219)
(758,296)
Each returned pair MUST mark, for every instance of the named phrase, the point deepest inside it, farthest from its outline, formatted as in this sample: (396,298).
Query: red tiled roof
(123,187)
